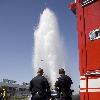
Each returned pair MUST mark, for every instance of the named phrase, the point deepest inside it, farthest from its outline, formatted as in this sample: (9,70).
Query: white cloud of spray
(48,46)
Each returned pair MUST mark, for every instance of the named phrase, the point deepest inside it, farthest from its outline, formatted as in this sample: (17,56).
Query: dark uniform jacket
(63,85)
(39,85)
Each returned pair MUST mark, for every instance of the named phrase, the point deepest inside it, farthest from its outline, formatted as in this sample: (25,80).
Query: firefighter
(1,97)
(63,85)
(39,87)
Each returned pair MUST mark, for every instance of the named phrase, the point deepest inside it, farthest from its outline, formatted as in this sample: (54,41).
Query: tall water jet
(48,46)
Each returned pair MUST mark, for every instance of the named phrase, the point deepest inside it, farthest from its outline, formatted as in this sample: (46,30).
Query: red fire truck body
(88,26)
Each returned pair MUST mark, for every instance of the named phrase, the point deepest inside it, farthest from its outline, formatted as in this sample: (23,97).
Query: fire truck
(88,27)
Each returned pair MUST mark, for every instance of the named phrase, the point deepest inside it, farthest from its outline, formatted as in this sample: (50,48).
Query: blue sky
(17,19)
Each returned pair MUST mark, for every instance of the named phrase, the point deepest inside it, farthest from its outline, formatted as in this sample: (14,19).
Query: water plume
(48,50)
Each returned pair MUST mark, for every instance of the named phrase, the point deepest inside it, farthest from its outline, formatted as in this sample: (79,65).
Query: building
(14,89)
